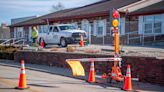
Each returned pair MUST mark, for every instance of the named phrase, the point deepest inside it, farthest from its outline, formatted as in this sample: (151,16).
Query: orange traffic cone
(91,77)
(22,79)
(81,41)
(128,81)
(42,43)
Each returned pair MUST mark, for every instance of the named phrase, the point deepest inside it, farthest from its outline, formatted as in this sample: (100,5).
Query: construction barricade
(77,67)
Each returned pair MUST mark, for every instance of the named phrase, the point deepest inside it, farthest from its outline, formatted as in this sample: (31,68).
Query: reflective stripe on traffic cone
(128,81)
(22,79)
(91,77)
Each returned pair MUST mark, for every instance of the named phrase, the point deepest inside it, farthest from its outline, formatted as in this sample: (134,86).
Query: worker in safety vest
(34,36)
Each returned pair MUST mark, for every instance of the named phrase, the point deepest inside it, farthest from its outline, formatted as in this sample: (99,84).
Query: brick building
(141,21)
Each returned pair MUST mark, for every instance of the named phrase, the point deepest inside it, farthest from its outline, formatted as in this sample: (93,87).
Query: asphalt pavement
(43,78)
(46,82)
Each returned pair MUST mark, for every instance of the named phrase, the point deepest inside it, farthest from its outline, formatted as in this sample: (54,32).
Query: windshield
(67,27)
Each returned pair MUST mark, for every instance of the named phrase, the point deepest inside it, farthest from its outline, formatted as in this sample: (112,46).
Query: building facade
(4,31)
(141,22)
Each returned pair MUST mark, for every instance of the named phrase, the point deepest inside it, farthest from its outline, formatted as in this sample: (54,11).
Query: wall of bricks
(147,69)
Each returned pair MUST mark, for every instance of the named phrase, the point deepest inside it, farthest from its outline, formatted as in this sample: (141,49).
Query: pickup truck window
(67,27)
(55,29)
(51,29)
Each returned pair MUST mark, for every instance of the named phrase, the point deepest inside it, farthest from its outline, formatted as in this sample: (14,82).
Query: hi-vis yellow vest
(34,34)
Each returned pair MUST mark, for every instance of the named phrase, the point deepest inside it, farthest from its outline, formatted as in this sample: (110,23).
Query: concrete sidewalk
(137,86)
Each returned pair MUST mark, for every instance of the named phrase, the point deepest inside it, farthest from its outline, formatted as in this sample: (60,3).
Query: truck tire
(63,42)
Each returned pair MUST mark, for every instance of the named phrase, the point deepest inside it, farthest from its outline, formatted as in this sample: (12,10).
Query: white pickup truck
(62,34)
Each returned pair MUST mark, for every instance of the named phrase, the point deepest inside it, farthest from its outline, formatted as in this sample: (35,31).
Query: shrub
(7,52)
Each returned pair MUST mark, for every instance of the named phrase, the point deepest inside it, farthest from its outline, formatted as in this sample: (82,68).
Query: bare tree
(57,7)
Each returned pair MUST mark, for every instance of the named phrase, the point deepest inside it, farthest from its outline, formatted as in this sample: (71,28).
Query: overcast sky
(10,9)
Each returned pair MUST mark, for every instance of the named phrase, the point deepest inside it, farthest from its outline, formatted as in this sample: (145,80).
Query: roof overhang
(138,5)
(97,14)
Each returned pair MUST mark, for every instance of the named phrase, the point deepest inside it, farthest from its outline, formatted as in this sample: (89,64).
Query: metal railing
(141,37)
(13,41)
(131,38)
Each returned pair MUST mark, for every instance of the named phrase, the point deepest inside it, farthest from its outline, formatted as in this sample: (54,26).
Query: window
(153,24)
(15,32)
(55,29)
(19,32)
(85,25)
(50,29)
(30,32)
(157,24)
(75,24)
(40,29)
(122,26)
(148,24)
(148,27)
(67,27)
(45,28)
(92,28)
(157,27)
(100,28)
